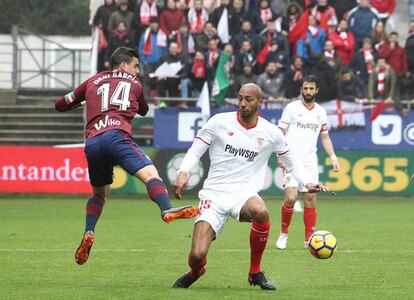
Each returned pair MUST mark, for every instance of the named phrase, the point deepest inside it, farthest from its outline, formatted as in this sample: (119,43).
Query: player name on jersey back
(113,99)
(116,75)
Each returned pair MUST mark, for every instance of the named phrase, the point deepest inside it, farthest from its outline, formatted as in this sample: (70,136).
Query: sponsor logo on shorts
(249,154)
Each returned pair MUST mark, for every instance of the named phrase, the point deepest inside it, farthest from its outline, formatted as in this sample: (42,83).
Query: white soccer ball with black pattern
(322,244)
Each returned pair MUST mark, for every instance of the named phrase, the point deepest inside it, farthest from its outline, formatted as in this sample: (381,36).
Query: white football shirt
(239,155)
(303,126)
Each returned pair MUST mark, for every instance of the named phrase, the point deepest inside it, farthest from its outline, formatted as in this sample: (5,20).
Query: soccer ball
(322,244)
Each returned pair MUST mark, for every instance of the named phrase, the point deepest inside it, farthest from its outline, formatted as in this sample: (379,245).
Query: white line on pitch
(181,250)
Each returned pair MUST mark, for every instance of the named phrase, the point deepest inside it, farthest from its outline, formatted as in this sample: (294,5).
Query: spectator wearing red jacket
(344,42)
(385,8)
(394,54)
(397,59)
(171,18)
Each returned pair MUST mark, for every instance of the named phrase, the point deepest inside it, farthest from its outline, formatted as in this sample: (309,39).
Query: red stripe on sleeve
(197,137)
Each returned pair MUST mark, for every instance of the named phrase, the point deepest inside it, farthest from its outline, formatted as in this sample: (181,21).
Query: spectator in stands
(197,16)
(304,4)
(364,61)
(198,72)
(344,42)
(331,56)
(276,54)
(325,15)
(144,12)
(152,46)
(101,20)
(342,7)
(252,16)
(245,56)
(382,82)
(411,10)
(396,58)
(407,81)
(211,5)
(293,78)
(362,20)
(409,47)
(170,84)
(265,12)
(350,87)
(378,35)
(202,39)
(291,16)
(246,76)
(185,41)
(246,33)
(102,16)
(272,34)
(385,8)
(271,83)
(324,70)
(213,53)
(122,14)
(315,37)
(171,18)
(279,6)
(232,16)
(118,38)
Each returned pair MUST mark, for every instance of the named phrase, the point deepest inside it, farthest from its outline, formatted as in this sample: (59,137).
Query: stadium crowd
(274,43)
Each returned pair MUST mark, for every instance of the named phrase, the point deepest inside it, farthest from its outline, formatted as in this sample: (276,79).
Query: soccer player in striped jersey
(112,100)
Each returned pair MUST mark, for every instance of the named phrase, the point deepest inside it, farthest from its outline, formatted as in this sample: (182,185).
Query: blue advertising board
(175,128)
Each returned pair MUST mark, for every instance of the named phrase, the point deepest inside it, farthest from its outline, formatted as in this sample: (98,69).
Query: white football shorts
(290,181)
(216,207)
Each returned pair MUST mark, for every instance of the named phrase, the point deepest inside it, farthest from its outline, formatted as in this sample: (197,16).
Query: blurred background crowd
(353,47)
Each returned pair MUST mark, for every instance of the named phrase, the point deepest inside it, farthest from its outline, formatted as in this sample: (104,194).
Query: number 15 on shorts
(205,204)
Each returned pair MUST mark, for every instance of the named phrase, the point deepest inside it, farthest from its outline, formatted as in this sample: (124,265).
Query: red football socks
(309,219)
(287,213)
(197,268)
(258,240)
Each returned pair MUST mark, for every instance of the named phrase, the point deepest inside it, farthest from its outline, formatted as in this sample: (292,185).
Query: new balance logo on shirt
(249,154)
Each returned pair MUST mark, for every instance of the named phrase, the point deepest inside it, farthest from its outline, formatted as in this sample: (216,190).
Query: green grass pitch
(136,256)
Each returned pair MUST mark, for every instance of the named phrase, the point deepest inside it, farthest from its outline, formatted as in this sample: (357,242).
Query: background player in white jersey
(302,122)
(240,144)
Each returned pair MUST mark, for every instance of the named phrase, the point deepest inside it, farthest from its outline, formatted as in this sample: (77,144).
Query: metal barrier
(41,63)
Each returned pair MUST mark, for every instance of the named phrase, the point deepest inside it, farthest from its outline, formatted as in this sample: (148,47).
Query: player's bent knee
(261,215)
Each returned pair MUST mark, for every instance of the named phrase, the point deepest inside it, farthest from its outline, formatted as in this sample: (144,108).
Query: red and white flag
(343,113)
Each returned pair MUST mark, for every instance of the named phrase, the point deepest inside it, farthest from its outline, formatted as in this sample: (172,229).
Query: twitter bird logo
(387,130)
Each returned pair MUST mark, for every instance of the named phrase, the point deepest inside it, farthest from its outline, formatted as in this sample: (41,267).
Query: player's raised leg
(203,235)
(309,215)
(288,204)
(94,208)
(255,210)
(158,193)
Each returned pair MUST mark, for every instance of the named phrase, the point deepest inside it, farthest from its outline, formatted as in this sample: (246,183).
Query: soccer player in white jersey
(240,144)
(302,122)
